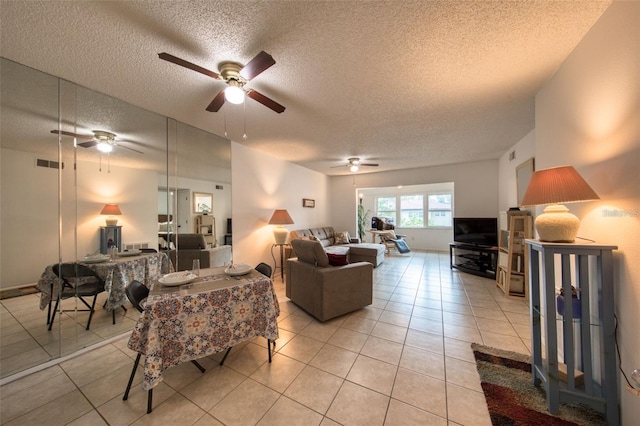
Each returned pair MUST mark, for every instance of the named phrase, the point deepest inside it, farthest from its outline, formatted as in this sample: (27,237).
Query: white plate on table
(238,269)
(177,278)
(129,253)
(95,259)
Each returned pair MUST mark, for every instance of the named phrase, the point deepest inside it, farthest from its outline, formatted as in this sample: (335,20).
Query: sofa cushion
(343,238)
(338,259)
(310,252)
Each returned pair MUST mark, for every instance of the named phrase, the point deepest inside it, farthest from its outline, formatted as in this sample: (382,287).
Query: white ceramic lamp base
(280,235)
(111,221)
(557,225)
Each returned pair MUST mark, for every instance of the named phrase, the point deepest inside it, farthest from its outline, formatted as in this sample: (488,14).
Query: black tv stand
(477,260)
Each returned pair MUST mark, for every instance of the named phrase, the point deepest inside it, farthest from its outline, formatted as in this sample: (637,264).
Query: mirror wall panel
(54,187)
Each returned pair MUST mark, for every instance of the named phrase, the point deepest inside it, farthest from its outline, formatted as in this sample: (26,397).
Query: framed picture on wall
(308,202)
(523,176)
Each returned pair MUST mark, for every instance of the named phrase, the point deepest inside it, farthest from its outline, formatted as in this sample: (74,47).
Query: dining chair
(80,281)
(136,293)
(264,269)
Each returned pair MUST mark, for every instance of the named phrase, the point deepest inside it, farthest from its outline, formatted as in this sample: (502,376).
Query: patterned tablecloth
(145,268)
(209,315)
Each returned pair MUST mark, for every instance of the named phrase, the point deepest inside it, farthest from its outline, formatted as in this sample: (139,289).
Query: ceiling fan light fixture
(354,168)
(105,147)
(234,93)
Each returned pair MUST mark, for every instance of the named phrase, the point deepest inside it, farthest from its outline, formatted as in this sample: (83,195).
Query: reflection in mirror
(202,203)
(203,164)
(54,186)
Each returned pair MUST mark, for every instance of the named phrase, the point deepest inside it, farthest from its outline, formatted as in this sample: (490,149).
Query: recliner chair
(323,290)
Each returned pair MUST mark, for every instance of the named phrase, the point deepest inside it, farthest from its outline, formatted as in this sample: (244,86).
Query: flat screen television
(476,231)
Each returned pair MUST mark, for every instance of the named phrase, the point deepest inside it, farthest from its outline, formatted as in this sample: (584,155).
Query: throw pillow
(343,238)
(338,259)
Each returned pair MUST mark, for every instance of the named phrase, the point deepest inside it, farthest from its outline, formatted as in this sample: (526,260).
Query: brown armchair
(323,290)
(194,246)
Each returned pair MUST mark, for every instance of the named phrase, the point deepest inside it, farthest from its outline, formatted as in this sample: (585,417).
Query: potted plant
(363,221)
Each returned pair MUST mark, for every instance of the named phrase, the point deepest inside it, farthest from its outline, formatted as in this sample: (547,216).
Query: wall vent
(48,164)
(135,246)
(219,187)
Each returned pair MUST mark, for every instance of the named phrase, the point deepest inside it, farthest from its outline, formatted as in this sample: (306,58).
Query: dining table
(117,274)
(208,314)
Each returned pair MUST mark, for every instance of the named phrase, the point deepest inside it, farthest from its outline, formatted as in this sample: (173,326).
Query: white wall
(262,184)
(588,116)
(475,196)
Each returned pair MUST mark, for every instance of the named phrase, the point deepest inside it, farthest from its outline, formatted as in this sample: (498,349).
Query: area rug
(512,398)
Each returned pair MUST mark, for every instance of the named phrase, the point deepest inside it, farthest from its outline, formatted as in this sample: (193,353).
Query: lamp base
(280,235)
(557,225)
(111,221)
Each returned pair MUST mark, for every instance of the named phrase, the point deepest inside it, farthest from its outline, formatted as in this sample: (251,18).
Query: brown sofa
(194,246)
(326,291)
(358,252)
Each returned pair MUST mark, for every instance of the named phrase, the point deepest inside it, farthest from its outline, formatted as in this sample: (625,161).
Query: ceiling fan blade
(131,149)
(261,62)
(88,144)
(269,103)
(187,64)
(217,102)
(73,135)
(369,164)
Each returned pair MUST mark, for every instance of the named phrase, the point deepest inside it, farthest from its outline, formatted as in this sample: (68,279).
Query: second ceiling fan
(235,76)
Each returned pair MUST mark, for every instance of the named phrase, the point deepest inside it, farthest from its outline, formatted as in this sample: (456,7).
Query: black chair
(264,269)
(136,293)
(79,281)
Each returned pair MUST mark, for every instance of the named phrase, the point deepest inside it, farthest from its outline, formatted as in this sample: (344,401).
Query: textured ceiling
(403,83)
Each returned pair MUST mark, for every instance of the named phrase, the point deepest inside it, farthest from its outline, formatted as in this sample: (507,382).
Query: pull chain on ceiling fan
(235,75)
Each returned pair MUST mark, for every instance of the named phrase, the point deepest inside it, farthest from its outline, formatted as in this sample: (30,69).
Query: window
(386,209)
(439,209)
(412,211)
(408,210)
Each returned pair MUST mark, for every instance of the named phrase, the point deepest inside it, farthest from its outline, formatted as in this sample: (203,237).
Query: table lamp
(111,210)
(553,186)
(280,218)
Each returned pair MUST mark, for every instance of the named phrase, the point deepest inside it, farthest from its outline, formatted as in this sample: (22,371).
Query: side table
(282,247)
(586,324)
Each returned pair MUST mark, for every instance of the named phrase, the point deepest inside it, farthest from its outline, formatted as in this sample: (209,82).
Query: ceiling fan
(236,76)
(354,164)
(104,141)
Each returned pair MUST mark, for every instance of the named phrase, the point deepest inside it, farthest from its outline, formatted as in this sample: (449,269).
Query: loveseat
(323,290)
(330,240)
(193,246)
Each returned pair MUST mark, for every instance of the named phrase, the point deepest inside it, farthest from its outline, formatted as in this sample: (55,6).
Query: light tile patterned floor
(404,360)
